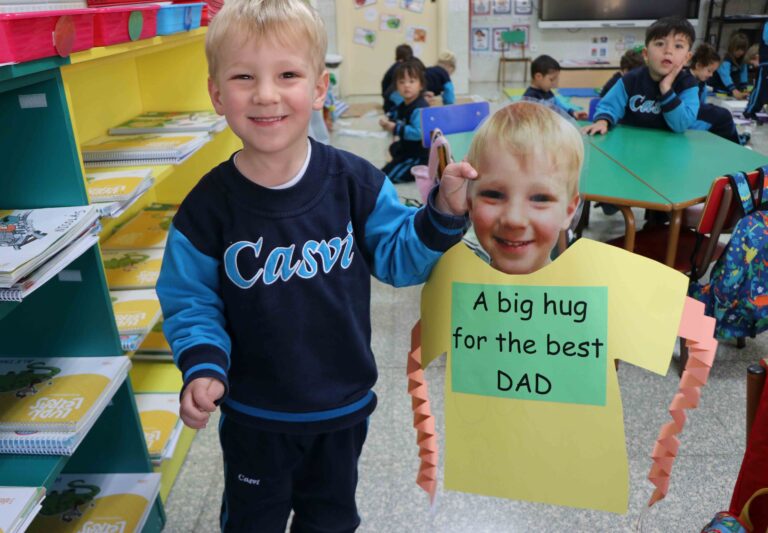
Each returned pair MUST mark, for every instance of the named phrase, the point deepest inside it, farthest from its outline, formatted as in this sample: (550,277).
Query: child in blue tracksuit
(715,119)
(439,78)
(759,96)
(404,121)
(732,77)
(631,60)
(659,95)
(545,74)
(265,283)
(402,53)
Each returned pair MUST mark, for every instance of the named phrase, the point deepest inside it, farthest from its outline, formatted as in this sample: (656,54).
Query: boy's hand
(580,115)
(387,124)
(452,194)
(197,401)
(739,95)
(601,127)
(666,82)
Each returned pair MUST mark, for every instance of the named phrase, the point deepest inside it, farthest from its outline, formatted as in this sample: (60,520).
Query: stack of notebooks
(47,405)
(142,149)
(171,122)
(114,192)
(136,313)
(18,506)
(162,426)
(36,244)
(97,502)
(154,347)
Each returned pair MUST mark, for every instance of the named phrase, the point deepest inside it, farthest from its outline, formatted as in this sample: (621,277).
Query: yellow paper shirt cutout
(119,512)
(565,454)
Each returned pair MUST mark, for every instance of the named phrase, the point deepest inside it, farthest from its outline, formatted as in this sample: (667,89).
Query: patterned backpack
(737,292)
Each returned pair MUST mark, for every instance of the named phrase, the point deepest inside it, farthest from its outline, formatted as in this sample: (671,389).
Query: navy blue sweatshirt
(547,97)
(268,290)
(610,83)
(407,119)
(636,100)
(439,82)
(730,75)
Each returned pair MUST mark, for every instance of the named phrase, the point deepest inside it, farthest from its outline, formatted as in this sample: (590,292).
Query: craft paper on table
(502,7)
(481,7)
(364,37)
(417,6)
(536,437)
(498,43)
(416,34)
(363,3)
(391,22)
(480,39)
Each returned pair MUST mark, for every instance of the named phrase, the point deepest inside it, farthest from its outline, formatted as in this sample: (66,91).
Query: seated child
(545,73)
(731,78)
(402,53)
(528,159)
(712,118)
(659,95)
(629,61)
(759,96)
(752,60)
(439,78)
(404,121)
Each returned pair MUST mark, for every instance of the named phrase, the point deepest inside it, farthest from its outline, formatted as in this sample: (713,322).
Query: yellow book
(116,186)
(132,269)
(148,229)
(142,149)
(159,414)
(55,394)
(18,506)
(155,342)
(136,311)
(97,502)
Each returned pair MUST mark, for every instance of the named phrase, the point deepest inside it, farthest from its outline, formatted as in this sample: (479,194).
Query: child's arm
(610,110)
(404,243)
(578,115)
(193,323)
(449,97)
(679,110)
(724,71)
(411,130)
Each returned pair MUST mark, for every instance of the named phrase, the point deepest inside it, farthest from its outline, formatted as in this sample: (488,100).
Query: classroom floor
(388,498)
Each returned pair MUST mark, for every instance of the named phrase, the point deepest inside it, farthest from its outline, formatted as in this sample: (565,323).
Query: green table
(653,169)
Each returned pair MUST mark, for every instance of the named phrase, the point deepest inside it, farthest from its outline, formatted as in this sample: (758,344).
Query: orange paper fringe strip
(423,420)
(698,330)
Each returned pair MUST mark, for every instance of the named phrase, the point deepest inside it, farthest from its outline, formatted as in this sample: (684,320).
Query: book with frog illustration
(132,269)
(171,122)
(148,229)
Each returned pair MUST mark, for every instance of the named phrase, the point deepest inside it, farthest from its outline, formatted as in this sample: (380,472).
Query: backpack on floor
(737,292)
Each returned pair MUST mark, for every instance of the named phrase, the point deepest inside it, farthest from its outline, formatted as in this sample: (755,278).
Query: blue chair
(452,119)
(593,108)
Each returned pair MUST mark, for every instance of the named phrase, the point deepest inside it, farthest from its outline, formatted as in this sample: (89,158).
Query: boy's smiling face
(518,208)
(664,54)
(267,92)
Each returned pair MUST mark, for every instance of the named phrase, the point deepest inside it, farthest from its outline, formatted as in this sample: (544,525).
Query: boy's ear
(570,210)
(645,54)
(688,56)
(321,88)
(215,94)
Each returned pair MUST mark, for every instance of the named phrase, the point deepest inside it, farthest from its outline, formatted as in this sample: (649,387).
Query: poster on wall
(481,7)
(391,22)
(363,3)
(416,34)
(523,7)
(480,40)
(390,3)
(502,7)
(498,44)
(371,14)
(417,6)
(525,28)
(365,37)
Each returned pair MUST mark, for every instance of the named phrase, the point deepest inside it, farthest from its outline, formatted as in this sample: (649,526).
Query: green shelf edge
(19,70)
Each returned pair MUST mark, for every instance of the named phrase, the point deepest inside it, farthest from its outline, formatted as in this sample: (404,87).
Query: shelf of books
(105,145)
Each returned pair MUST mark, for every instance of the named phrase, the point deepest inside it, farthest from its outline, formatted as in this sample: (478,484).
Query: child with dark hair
(759,96)
(629,61)
(404,121)
(712,118)
(403,52)
(661,94)
(545,74)
(731,77)
(439,78)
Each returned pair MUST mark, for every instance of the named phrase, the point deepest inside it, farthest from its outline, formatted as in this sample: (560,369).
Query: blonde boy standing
(265,285)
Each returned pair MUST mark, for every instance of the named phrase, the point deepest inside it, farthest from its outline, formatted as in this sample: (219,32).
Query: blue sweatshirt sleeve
(411,130)
(680,111)
(193,312)
(724,71)
(743,77)
(395,98)
(405,243)
(703,96)
(613,105)
(449,96)
(559,102)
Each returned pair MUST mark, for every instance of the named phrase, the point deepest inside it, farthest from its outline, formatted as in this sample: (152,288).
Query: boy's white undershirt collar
(300,174)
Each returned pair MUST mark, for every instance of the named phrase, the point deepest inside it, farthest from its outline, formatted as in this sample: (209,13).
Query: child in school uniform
(659,95)
(731,77)
(404,122)
(402,53)
(629,61)
(752,60)
(545,75)
(439,78)
(265,283)
(716,119)
(759,96)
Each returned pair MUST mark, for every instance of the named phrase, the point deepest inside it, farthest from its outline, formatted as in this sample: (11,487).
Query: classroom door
(368,32)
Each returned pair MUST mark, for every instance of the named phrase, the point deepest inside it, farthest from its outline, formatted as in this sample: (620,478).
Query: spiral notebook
(18,506)
(171,122)
(142,149)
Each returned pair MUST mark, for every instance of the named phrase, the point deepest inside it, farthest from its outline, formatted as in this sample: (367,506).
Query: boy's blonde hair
(287,21)
(529,130)
(447,58)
